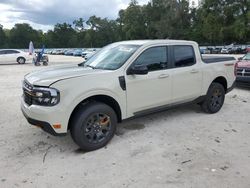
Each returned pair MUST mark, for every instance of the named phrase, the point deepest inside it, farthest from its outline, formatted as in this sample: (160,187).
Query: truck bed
(216,59)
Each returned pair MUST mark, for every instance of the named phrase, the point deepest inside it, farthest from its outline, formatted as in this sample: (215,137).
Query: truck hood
(48,76)
(243,63)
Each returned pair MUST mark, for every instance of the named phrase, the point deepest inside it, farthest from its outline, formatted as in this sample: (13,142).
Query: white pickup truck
(123,80)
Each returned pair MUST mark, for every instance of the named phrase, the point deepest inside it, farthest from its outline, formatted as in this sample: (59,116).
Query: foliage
(214,22)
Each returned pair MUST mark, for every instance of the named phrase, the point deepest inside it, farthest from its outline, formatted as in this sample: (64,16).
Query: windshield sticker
(124,49)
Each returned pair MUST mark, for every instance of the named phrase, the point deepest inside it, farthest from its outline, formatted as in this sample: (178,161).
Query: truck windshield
(111,57)
(246,57)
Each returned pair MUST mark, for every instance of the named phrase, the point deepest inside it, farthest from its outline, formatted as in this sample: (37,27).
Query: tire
(93,126)
(214,99)
(21,60)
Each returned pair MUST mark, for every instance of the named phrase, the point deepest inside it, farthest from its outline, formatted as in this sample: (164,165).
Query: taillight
(235,68)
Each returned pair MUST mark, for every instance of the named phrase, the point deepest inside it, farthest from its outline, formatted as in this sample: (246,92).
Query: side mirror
(140,70)
(240,58)
(81,64)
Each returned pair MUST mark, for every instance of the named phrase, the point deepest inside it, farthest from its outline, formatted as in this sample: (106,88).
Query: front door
(153,89)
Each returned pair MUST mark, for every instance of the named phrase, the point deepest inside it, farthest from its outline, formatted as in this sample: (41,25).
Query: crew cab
(123,80)
(243,70)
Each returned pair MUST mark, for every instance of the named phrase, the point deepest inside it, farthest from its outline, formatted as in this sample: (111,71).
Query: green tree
(63,36)
(22,34)
(79,24)
(101,32)
(3,38)
(132,22)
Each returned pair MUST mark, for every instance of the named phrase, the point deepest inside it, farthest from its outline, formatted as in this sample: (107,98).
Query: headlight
(45,96)
(42,96)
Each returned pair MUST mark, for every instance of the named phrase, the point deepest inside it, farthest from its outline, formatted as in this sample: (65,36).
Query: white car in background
(225,50)
(8,56)
(88,51)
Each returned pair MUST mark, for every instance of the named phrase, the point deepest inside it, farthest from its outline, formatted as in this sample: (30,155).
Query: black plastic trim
(122,82)
(245,80)
(168,106)
(208,60)
(231,88)
(45,126)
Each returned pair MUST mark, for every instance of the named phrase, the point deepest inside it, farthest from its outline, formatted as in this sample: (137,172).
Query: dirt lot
(182,147)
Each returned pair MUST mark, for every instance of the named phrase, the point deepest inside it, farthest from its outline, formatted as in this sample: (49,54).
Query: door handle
(194,71)
(163,76)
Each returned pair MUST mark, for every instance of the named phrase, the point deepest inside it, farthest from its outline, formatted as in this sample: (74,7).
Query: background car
(78,52)
(216,50)
(88,51)
(226,50)
(69,52)
(243,70)
(205,50)
(12,56)
(89,55)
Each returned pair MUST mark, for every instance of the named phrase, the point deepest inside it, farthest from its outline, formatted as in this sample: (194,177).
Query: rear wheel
(214,99)
(93,126)
(21,60)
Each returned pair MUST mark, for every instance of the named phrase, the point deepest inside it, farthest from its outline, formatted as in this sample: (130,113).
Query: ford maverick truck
(123,80)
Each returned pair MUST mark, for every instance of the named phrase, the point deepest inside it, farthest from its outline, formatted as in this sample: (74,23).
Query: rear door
(12,55)
(186,75)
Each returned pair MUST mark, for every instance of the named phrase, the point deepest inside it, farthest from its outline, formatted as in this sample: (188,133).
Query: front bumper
(231,88)
(44,117)
(243,80)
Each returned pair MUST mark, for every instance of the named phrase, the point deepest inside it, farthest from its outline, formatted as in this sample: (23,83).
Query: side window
(154,58)
(11,52)
(2,52)
(15,52)
(184,56)
(7,51)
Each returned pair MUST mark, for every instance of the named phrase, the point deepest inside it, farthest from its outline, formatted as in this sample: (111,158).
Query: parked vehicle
(245,50)
(91,54)
(216,50)
(88,51)
(243,70)
(48,51)
(124,80)
(69,52)
(204,50)
(226,50)
(88,56)
(77,52)
(12,56)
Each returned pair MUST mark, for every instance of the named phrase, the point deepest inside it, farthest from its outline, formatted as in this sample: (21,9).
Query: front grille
(243,72)
(27,92)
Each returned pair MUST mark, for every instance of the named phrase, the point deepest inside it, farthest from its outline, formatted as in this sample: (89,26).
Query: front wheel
(93,125)
(214,99)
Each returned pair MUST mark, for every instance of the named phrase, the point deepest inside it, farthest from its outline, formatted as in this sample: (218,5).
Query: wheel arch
(108,100)
(221,80)
(20,57)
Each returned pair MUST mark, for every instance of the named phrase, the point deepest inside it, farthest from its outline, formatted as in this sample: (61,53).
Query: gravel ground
(182,147)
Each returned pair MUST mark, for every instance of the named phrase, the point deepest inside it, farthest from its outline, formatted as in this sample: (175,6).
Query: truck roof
(156,41)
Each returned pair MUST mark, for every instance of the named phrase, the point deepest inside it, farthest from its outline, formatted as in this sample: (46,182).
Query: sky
(41,14)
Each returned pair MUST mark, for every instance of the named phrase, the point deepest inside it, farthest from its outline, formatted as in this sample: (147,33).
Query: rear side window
(11,52)
(2,52)
(154,58)
(184,56)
